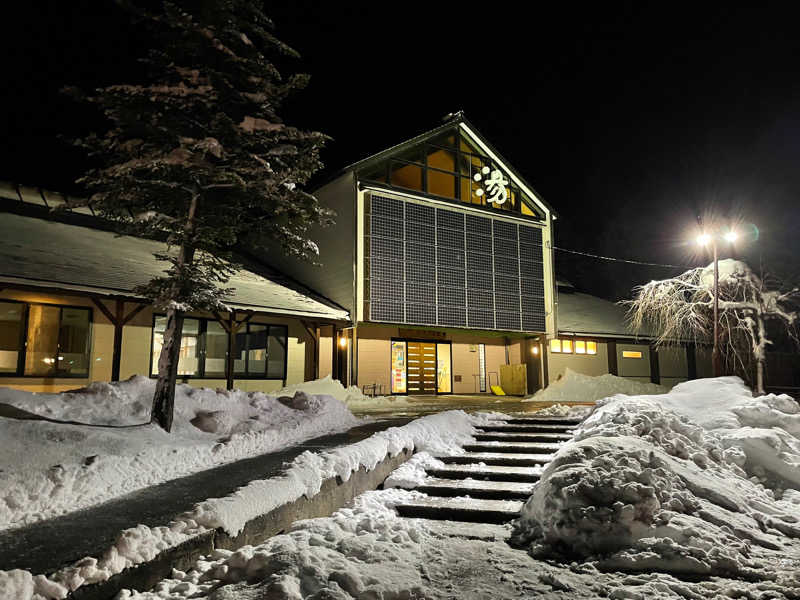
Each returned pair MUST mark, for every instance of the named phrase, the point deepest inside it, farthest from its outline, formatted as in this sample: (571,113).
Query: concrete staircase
(492,479)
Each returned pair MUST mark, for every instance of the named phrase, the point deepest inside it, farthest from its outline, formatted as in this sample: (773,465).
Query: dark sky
(630,120)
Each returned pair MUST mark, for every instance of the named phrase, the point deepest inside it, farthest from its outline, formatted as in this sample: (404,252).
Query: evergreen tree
(196,154)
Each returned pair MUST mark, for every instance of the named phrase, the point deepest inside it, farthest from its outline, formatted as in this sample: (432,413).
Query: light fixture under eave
(703,239)
(731,236)
(535,350)
(342,342)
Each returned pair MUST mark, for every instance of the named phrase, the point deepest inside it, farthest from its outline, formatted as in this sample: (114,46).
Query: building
(593,339)
(69,314)
(442,255)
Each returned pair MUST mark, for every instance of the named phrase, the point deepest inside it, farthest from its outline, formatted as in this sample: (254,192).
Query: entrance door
(421,367)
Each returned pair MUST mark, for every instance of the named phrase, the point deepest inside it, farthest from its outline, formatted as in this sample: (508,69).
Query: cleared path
(46,546)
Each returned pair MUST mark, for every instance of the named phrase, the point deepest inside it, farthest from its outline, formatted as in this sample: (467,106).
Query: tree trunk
(164,398)
(760,376)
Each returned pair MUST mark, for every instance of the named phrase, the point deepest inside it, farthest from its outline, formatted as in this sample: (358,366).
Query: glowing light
(703,239)
(535,350)
(343,342)
(731,236)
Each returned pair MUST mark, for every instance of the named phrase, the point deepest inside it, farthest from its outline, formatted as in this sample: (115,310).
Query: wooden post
(655,371)
(231,327)
(611,346)
(118,321)
(334,353)
(691,361)
(313,333)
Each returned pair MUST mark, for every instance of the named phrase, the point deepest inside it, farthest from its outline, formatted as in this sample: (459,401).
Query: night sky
(630,121)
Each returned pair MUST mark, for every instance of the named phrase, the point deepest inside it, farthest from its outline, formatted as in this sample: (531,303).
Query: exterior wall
(587,364)
(136,348)
(335,277)
(705,368)
(634,368)
(325,351)
(374,356)
(673,367)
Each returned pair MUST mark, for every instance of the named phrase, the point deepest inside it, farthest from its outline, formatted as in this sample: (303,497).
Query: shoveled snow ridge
(645,488)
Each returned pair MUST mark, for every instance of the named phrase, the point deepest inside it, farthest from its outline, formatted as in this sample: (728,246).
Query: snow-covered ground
(442,433)
(577,387)
(47,468)
(646,503)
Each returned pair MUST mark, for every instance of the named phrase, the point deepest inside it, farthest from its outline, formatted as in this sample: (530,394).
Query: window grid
(441,259)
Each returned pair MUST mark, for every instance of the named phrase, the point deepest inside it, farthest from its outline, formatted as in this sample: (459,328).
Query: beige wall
(635,368)
(136,348)
(587,364)
(673,367)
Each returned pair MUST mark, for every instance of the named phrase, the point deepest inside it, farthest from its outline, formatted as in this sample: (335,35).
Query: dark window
(259,350)
(44,340)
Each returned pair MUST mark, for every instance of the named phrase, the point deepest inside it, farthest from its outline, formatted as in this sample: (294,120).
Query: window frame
(573,341)
(201,345)
(23,342)
(425,149)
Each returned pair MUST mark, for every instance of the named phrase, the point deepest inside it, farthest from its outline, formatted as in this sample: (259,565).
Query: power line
(622,260)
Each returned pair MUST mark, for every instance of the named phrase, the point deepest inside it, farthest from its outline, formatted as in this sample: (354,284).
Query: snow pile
(644,488)
(577,387)
(563,411)
(47,468)
(352,396)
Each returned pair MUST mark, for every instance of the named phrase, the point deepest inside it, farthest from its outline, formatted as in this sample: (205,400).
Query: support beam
(231,327)
(611,346)
(691,361)
(118,320)
(313,333)
(655,371)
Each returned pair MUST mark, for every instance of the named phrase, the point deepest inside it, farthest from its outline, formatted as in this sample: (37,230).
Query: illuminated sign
(492,184)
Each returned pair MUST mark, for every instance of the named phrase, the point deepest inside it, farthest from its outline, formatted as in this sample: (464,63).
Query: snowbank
(577,387)
(645,488)
(47,468)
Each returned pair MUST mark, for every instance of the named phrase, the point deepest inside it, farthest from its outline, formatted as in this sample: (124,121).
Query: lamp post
(703,240)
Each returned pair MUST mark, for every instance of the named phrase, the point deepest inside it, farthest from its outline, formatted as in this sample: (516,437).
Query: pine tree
(196,154)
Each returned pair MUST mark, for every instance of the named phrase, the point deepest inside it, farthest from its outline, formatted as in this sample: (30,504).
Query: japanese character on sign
(494,186)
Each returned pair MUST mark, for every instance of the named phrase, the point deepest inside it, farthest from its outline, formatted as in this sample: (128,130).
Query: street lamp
(703,240)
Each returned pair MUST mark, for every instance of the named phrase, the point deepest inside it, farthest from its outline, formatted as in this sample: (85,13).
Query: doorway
(421,367)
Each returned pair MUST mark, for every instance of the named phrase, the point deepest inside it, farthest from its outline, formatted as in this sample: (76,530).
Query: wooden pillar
(655,371)
(313,333)
(118,320)
(691,361)
(545,370)
(231,327)
(335,353)
(611,346)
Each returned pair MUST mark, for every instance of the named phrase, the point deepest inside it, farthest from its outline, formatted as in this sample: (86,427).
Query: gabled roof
(454,120)
(38,252)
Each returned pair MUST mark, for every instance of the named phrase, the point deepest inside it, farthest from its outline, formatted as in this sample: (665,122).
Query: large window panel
(42,342)
(257,349)
(216,350)
(73,342)
(276,356)
(189,355)
(406,176)
(12,320)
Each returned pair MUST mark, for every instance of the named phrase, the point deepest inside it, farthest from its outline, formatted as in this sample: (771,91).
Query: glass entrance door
(421,367)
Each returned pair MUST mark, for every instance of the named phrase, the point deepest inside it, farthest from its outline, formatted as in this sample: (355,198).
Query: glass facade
(260,350)
(44,340)
(453,168)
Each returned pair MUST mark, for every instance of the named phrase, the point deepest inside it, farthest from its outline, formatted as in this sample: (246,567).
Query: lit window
(591,347)
(555,345)
(580,347)
(631,354)
(566,346)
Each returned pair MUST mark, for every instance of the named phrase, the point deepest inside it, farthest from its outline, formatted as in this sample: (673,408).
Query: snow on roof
(46,253)
(582,314)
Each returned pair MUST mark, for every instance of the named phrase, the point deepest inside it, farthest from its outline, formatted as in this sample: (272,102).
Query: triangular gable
(454,162)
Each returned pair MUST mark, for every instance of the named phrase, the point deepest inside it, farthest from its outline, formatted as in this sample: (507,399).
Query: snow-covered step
(487,472)
(489,532)
(488,490)
(498,458)
(501,427)
(542,421)
(500,436)
(461,509)
(516,447)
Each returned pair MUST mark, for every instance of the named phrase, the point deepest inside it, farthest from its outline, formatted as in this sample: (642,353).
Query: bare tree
(681,308)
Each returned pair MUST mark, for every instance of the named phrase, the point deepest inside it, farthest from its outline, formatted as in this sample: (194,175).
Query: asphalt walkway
(46,546)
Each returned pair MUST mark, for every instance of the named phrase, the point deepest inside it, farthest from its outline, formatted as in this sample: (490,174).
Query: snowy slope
(47,469)
(577,387)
